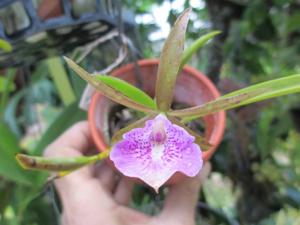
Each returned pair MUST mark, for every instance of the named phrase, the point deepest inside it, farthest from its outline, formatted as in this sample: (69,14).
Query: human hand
(93,196)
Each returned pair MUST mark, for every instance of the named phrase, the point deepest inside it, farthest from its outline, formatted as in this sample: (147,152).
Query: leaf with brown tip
(58,164)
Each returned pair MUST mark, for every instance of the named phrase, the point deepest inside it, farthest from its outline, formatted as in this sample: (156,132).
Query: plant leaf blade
(129,90)
(251,94)
(195,46)
(9,169)
(58,164)
(169,62)
(106,90)
(274,88)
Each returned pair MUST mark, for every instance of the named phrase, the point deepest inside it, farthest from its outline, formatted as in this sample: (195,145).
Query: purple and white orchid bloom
(155,152)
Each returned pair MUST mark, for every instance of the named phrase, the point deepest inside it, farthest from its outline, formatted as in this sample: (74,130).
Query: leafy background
(256,170)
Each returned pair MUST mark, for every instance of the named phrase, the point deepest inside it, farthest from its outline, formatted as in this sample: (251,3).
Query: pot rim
(216,136)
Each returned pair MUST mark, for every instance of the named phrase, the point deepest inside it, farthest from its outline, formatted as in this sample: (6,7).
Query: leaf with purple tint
(156,151)
(107,90)
(251,94)
(169,62)
(213,106)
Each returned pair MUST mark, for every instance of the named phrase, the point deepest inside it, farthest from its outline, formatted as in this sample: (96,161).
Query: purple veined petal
(156,151)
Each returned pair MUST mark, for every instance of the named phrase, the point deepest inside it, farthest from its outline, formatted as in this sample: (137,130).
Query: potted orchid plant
(160,144)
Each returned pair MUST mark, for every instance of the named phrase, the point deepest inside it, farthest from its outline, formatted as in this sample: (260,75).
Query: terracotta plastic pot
(192,88)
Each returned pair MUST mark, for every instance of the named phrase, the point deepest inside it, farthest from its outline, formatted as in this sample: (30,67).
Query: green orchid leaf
(58,164)
(106,90)
(251,94)
(5,46)
(195,46)
(129,90)
(211,107)
(60,77)
(274,88)
(169,62)
(199,140)
(139,123)
(9,147)
(6,85)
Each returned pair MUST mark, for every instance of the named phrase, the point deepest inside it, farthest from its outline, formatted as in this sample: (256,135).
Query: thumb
(181,201)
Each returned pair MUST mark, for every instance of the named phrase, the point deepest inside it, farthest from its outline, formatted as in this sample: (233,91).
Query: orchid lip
(156,151)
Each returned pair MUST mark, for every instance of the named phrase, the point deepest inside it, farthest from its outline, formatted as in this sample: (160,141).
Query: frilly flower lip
(155,152)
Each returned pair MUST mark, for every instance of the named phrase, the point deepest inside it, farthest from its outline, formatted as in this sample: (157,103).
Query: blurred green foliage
(256,178)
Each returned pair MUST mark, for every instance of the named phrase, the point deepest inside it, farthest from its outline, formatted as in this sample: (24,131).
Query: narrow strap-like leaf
(210,107)
(139,123)
(58,164)
(129,90)
(199,140)
(251,94)
(169,62)
(273,88)
(195,46)
(106,90)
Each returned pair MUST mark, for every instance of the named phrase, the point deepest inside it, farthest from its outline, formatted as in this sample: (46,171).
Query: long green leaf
(9,168)
(106,90)
(210,107)
(7,86)
(61,80)
(129,90)
(274,88)
(169,62)
(251,94)
(195,46)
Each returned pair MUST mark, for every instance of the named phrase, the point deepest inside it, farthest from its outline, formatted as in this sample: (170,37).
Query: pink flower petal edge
(155,152)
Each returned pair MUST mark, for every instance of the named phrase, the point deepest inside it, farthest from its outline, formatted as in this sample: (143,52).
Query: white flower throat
(158,137)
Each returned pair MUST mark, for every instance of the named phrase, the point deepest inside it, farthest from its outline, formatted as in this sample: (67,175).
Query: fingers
(107,176)
(74,142)
(120,188)
(182,199)
(123,191)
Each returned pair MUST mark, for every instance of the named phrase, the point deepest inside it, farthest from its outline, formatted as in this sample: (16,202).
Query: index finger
(75,141)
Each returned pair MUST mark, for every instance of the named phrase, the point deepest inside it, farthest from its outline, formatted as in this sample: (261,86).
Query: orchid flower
(159,145)
(156,151)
